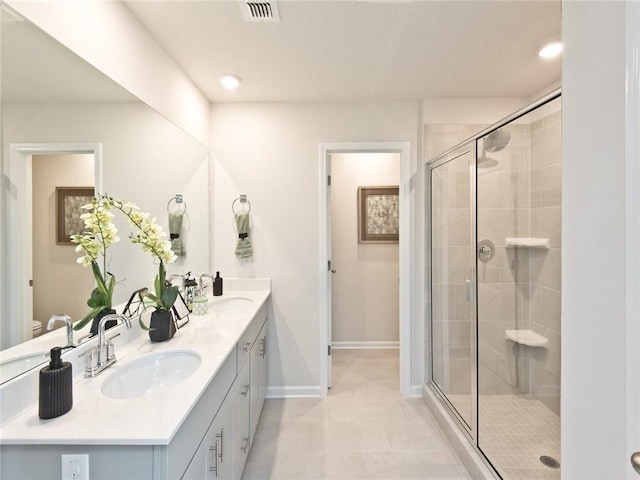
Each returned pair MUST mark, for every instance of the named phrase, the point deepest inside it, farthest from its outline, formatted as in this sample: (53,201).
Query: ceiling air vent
(265,11)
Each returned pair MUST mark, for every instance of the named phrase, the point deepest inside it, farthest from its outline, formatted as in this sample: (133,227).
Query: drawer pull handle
(247,346)
(245,447)
(215,448)
(263,346)
(221,437)
(246,390)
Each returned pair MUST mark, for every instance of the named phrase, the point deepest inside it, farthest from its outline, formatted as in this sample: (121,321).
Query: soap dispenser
(217,285)
(56,389)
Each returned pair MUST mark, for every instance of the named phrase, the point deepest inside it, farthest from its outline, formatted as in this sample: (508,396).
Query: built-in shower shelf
(526,337)
(531,242)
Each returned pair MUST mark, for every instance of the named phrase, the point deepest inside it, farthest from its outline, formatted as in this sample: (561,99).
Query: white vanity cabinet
(219,463)
(241,432)
(211,442)
(223,451)
(258,379)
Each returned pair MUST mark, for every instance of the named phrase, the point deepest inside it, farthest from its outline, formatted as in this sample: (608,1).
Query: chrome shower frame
(471,145)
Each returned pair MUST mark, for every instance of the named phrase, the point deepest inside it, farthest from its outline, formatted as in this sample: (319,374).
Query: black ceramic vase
(162,326)
(98,317)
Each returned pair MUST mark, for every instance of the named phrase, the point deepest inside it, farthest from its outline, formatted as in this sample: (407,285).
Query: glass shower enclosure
(494,289)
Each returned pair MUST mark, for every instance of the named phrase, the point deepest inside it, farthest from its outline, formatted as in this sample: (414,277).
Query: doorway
(402,150)
(19,232)
(55,271)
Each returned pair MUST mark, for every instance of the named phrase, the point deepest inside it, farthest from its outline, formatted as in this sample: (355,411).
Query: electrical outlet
(75,467)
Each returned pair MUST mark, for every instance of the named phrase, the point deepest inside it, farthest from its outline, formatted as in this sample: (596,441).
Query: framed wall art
(69,202)
(378,214)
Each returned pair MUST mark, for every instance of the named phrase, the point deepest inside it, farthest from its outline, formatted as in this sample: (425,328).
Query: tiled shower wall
(546,206)
(503,282)
(451,321)
(519,195)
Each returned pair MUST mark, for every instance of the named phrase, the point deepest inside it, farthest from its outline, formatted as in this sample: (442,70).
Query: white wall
(593,241)
(146,160)
(365,301)
(470,111)
(109,37)
(55,271)
(271,153)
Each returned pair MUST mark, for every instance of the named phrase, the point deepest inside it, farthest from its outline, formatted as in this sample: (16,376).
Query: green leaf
(155,300)
(142,325)
(98,276)
(109,296)
(157,287)
(96,299)
(90,316)
(169,297)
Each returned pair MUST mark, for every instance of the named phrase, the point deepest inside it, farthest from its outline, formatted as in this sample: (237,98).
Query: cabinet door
(258,378)
(197,469)
(241,419)
(220,443)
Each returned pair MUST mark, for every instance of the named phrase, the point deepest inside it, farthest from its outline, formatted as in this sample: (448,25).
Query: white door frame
(404,149)
(19,224)
(632,224)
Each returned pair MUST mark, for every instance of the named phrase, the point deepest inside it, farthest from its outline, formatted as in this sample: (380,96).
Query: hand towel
(243,248)
(175,227)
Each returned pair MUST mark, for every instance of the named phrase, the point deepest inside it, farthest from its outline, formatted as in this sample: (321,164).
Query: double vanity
(182,409)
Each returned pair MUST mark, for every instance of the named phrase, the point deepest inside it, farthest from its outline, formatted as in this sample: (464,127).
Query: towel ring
(243,200)
(178,201)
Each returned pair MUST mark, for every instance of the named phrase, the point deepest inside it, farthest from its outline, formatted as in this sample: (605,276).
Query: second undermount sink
(150,374)
(228,304)
(14,366)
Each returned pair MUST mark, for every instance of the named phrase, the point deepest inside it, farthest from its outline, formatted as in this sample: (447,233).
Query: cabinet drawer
(249,336)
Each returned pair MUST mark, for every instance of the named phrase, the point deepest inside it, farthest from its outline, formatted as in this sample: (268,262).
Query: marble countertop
(152,419)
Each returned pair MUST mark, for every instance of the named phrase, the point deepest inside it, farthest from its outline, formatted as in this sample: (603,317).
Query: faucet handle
(92,362)
(110,349)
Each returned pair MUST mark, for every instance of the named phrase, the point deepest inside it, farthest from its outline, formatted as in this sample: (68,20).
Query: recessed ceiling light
(551,50)
(230,81)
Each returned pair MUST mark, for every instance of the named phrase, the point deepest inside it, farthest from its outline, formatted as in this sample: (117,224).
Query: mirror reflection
(65,124)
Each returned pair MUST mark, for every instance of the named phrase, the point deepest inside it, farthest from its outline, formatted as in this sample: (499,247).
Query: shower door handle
(469,291)
(635,461)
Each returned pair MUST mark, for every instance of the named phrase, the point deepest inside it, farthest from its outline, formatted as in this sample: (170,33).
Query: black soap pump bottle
(56,389)
(217,285)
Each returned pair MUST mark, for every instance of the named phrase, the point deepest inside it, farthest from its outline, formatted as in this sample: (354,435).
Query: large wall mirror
(65,124)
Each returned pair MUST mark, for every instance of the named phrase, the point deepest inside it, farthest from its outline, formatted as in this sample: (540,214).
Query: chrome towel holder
(243,201)
(178,200)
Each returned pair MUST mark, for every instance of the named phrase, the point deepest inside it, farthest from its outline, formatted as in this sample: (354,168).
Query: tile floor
(515,431)
(364,429)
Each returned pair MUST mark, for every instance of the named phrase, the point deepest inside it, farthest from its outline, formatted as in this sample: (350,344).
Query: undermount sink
(229,304)
(151,374)
(12,367)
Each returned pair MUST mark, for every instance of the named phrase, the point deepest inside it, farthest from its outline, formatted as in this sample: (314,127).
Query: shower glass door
(452,258)
(518,292)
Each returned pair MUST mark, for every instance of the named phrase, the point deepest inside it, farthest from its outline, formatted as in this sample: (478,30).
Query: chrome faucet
(67,320)
(104,354)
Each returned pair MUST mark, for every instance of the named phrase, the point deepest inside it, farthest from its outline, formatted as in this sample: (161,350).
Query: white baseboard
(294,392)
(363,345)
(416,391)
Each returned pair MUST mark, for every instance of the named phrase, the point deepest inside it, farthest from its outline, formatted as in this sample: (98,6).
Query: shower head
(496,140)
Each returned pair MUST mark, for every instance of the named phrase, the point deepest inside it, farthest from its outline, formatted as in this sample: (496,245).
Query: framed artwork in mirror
(69,202)
(378,214)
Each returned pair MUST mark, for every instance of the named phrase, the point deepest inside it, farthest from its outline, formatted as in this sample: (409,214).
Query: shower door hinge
(329,350)
(328,180)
